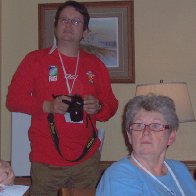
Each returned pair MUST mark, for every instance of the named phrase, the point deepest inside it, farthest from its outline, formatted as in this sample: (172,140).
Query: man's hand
(91,104)
(56,105)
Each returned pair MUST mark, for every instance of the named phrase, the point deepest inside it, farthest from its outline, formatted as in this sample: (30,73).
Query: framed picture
(111,35)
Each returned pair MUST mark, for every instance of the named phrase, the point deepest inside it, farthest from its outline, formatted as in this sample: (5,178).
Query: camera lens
(76,108)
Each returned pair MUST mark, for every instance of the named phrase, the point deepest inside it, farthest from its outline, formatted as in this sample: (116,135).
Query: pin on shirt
(53,72)
(90,77)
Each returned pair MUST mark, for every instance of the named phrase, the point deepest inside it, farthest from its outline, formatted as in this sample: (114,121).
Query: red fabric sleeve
(108,101)
(19,97)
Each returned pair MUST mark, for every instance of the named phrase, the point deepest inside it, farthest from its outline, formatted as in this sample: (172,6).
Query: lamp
(178,92)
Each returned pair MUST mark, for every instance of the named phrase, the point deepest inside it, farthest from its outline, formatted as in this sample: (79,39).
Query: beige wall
(165,45)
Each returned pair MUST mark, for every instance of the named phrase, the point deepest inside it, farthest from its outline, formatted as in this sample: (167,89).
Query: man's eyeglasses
(74,21)
(156,127)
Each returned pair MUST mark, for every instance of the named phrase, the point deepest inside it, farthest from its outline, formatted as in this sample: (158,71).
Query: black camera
(75,108)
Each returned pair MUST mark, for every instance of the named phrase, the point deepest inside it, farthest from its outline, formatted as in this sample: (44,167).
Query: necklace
(69,76)
(157,180)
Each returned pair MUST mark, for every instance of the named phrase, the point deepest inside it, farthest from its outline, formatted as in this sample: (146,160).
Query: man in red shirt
(65,90)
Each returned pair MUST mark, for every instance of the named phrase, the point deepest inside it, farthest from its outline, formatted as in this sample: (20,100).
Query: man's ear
(85,32)
(172,138)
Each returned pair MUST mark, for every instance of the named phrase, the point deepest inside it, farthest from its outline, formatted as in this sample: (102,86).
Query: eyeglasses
(74,21)
(156,127)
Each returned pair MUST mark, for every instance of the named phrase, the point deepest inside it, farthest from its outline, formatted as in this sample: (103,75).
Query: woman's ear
(172,138)
(129,137)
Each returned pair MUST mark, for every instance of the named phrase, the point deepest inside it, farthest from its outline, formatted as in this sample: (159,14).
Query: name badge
(68,119)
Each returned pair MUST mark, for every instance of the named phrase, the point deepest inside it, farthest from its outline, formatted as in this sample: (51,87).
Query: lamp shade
(176,91)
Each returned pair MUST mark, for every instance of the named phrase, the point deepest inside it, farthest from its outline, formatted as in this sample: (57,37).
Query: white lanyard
(157,180)
(69,76)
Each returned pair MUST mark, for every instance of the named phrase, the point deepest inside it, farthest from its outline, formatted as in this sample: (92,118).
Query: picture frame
(111,35)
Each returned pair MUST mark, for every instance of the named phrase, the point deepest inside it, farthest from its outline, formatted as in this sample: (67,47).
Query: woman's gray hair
(151,102)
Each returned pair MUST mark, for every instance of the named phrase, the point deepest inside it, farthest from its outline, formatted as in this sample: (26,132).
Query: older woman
(151,123)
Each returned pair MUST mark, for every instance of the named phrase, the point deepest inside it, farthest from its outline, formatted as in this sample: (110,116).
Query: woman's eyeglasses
(156,127)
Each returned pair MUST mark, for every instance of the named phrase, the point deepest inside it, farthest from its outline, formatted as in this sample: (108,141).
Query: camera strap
(55,137)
